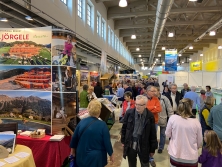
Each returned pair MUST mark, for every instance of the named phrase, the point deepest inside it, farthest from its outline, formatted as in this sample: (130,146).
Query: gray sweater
(166,107)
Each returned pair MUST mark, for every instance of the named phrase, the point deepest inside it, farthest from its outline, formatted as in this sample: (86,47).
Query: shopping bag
(72,161)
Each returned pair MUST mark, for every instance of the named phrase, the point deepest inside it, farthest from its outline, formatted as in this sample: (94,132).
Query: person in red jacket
(128,102)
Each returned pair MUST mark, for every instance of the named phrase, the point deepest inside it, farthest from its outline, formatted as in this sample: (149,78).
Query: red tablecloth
(46,153)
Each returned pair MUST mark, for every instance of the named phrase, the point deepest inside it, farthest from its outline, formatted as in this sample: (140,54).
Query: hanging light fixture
(28,18)
(180,54)
(190,47)
(190,59)
(171,34)
(133,36)
(139,56)
(3,19)
(163,48)
(212,33)
(201,54)
(159,55)
(182,62)
(220,47)
(156,59)
(122,3)
(137,49)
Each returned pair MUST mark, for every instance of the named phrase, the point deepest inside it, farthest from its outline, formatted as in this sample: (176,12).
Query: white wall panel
(195,79)
(181,78)
(209,78)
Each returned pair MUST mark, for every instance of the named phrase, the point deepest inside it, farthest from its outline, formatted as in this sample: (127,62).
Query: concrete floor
(162,160)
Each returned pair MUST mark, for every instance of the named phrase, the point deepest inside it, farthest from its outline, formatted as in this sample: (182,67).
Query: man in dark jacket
(185,89)
(174,96)
(138,134)
(126,88)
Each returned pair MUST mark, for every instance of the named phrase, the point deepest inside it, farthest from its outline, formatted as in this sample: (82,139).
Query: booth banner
(84,78)
(33,92)
(196,66)
(25,46)
(103,64)
(94,77)
(171,60)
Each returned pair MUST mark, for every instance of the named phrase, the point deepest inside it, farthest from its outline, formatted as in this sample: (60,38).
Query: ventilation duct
(162,12)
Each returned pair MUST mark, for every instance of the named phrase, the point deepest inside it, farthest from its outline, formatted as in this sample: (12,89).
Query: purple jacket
(207,160)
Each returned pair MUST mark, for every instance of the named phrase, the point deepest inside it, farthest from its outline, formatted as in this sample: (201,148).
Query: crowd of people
(144,109)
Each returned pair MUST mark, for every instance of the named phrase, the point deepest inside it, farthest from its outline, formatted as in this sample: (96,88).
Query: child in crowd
(128,103)
(212,152)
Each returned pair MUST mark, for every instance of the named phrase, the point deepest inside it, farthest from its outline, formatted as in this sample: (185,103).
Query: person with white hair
(138,134)
(192,95)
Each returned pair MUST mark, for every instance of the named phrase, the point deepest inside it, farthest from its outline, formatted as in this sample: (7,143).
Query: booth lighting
(28,18)
(139,55)
(180,54)
(191,47)
(201,54)
(190,59)
(171,34)
(220,47)
(133,37)
(212,33)
(182,62)
(159,55)
(156,59)
(122,3)
(163,48)
(3,19)
(137,49)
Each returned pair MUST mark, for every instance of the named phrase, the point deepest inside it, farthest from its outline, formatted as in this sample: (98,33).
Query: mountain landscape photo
(31,108)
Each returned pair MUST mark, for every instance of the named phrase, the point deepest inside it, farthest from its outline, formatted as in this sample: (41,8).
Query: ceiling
(188,20)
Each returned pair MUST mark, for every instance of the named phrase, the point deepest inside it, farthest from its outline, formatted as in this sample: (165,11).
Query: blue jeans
(162,138)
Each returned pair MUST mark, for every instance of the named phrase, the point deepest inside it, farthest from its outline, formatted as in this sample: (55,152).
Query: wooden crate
(37,136)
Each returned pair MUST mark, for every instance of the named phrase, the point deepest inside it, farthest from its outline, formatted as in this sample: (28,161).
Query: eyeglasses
(140,105)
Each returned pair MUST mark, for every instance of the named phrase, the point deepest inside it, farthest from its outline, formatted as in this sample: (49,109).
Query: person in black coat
(126,88)
(175,94)
(138,134)
(98,90)
(185,89)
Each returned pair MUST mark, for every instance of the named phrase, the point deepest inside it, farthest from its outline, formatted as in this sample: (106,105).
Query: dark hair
(98,84)
(110,83)
(126,83)
(202,92)
(208,87)
(85,87)
(128,94)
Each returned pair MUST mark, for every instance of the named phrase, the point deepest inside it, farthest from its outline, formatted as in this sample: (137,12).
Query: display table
(23,162)
(46,153)
(109,97)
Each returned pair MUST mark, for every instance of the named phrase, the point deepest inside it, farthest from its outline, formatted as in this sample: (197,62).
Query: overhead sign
(196,66)
(171,60)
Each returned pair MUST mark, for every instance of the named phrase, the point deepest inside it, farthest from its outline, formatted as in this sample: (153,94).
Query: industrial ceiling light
(137,49)
(141,59)
(139,55)
(190,59)
(212,33)
(180,54)
(156,59)
(171,34)
(190,47)
(220,47)
(133,36)
(122,3)
(163,48)
(28,18)
(3,19)
(201,54)
(159,55)
(182,62)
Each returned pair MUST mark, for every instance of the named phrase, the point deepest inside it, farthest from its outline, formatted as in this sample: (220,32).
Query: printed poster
(171,60)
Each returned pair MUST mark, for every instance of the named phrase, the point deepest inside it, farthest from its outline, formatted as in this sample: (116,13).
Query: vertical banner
(171,60)
(103,63)
(37,88)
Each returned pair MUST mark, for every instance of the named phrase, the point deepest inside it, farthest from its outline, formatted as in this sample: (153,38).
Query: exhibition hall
(110,83)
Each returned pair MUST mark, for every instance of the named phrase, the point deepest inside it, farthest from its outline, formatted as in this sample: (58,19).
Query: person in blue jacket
(91,140)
